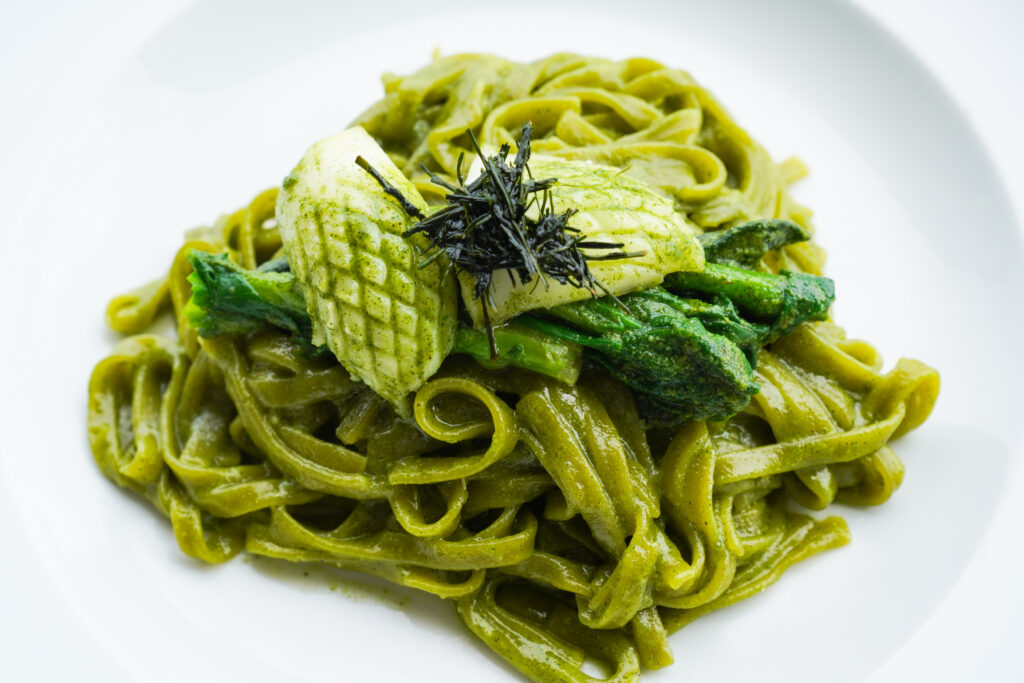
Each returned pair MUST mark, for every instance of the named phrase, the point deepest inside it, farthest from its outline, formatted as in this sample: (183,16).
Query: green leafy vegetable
(718,316)
(228,299)
(522,346)
(675,364)
(743,245)
(688,348)
(784,300)
(685,356)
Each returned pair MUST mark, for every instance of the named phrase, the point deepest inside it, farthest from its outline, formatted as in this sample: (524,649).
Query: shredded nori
(485,228)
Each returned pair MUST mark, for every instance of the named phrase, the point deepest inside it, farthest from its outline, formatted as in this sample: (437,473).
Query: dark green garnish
(688,348)
(670,359)
(783,301)
(743,245)
(485,228)
(228,299)
(390,189)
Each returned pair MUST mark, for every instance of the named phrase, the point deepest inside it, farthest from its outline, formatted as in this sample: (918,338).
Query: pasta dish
(548,340)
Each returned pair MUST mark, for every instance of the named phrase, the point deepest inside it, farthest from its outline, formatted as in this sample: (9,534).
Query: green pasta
(561,523)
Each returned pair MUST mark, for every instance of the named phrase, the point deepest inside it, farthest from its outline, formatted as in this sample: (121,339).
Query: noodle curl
(562,525)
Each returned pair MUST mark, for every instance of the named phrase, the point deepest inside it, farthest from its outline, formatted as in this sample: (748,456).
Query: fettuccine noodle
(561,525)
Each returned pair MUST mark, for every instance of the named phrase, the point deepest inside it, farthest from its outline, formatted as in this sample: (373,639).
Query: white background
(974,50)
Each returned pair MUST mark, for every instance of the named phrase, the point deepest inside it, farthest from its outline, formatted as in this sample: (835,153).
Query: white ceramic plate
(222,100)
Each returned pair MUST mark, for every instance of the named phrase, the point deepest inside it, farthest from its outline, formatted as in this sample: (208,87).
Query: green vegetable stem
(687,348)
(228,299)
(670,359)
